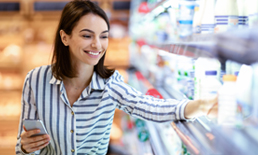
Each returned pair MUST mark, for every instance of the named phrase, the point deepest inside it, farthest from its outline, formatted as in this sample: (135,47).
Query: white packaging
(242,14)
(208,21)
(244,90)
(186,13)
(198,14)
(209,85)
(226,15)
(202,65)
(227,104)
(252,13)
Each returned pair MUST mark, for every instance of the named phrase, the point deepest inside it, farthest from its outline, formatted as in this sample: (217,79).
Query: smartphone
(31,124)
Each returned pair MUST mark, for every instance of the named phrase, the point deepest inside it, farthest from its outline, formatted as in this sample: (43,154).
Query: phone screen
(31,124)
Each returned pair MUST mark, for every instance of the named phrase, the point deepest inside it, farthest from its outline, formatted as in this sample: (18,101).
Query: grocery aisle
(175,49)
(198,50)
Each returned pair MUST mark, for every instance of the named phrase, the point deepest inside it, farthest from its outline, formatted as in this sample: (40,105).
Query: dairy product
(208,17)
(244,91)
(197,20)
(252,6)
(186,13)
(202,65)
(227,104)
(209,85)
(226,15)
(242,14)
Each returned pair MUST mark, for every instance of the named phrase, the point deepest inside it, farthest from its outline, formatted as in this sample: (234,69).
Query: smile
(93,53)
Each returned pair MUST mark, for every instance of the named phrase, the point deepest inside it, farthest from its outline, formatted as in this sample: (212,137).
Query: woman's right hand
(30,144)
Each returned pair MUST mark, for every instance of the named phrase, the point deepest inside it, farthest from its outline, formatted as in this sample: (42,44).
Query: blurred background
(171,49)
(27,29)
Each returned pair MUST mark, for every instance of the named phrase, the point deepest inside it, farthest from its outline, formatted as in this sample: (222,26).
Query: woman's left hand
(210,107)
(196,108)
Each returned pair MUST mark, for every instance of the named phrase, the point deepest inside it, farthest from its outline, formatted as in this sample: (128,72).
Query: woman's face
(89,40)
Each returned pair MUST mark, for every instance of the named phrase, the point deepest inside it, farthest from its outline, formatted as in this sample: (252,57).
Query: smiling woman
(89,24)
(88,41)
(76,96)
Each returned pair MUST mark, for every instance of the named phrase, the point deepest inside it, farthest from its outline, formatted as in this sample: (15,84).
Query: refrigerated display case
(27,29)
(160,53)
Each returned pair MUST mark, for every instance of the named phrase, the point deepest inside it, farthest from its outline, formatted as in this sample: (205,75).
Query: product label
(223,23)
(197,29)
(232,21)
(186,13)
(253,20)
(242,20)
(207,28)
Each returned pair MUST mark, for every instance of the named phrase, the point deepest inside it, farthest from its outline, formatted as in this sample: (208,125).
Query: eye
(86,36)
(104,37)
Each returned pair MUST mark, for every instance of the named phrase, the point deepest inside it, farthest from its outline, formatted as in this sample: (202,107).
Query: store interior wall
(26,42)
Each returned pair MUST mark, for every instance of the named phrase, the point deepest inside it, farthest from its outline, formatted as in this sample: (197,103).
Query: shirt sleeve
(142,106)
(28,111)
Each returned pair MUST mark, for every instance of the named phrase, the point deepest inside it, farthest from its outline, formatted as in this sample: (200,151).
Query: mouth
(94,53)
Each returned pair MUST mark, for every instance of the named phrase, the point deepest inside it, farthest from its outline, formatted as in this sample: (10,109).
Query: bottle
(244,90)
(202,65)
(227,104)
(254,92)
(242,14)
(209,85)
(186,13)
(208,17)
(226,15)
(252,13)
(198,14)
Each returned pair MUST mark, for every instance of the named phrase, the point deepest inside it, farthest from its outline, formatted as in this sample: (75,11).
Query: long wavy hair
(71,14)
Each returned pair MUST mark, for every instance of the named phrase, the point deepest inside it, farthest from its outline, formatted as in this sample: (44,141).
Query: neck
(84,74)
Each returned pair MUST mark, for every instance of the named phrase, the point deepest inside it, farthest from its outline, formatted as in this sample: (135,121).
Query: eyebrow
(93,31)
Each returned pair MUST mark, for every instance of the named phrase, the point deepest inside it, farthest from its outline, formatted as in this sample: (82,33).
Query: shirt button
(72,150)
(71,131)
(72,113)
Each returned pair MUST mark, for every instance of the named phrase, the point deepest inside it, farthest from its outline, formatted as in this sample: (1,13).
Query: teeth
(93,53)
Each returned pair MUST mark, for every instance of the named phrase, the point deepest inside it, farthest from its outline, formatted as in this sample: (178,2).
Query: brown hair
(71,14)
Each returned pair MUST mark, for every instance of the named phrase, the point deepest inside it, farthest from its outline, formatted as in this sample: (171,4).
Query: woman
(76,96)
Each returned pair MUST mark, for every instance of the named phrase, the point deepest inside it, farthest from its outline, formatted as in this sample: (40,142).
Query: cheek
(105,44)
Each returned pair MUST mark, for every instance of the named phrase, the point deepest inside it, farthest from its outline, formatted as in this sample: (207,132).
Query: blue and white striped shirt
(85,127)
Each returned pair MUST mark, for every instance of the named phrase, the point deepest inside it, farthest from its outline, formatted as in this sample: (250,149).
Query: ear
(64,37)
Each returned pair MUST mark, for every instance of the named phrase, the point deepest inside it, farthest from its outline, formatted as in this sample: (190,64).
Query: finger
(213,100)
(213,113)
(32,132)
(24,128)
(38,147)
(37,144)
(209,103)
(37,138)
(26,135)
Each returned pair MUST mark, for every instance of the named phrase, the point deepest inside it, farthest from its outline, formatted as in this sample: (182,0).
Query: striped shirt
(84,128)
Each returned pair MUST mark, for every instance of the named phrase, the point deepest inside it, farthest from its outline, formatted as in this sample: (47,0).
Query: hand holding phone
(31,124)
(35,136)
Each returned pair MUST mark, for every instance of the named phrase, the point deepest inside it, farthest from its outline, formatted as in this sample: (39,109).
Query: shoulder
(115,77)
(39,73)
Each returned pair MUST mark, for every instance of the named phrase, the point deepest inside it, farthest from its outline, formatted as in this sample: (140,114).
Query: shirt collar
(97,82)
(54,80)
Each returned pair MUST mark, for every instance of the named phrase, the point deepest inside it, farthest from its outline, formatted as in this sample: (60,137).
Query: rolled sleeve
(180,110)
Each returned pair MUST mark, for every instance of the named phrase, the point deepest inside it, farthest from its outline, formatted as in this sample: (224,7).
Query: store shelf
(238,45)
(202,136)
(240,48)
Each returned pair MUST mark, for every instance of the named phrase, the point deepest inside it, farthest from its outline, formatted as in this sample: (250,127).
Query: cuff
(180,110)
(19,150)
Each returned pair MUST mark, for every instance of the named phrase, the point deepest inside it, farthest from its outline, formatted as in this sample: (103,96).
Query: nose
(96,43)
